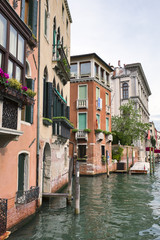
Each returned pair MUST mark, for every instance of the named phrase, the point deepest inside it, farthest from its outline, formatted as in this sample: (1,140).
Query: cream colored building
(130,83)
(54,94)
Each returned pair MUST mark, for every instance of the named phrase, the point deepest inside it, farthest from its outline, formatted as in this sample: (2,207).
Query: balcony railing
(3,215)
(61,127)
(82,103)
(81,135)
(63,67)
(24,197)
(108,109)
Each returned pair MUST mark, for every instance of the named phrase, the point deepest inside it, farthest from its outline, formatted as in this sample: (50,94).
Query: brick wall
(16,214)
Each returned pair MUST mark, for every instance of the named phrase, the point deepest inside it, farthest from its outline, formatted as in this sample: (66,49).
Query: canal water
(119,207)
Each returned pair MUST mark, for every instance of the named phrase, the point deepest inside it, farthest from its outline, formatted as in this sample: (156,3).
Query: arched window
(46,18)
(125,90)
(23,173)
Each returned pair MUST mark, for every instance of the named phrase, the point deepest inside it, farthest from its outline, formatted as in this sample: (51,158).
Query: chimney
(119,63)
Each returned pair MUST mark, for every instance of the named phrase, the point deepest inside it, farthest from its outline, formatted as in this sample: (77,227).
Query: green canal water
(119,207)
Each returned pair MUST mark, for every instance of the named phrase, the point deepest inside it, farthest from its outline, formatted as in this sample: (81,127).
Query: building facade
(90,113)
(54,94)
(130,83)
(19,191)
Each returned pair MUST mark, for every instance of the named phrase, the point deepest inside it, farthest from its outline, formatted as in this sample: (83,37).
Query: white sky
(125,30)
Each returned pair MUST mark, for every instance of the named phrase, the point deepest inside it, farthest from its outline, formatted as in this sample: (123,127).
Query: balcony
(63,68)
(61,127)
(24,197)
(81,135)
(82,103)
(3,215)
(108,109)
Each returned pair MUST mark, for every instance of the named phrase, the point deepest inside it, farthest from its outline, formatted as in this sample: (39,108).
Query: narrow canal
(119,207)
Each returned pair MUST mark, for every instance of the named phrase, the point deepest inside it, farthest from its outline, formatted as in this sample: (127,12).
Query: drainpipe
(38,92)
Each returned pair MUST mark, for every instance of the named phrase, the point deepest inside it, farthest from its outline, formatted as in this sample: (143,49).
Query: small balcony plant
(87,130)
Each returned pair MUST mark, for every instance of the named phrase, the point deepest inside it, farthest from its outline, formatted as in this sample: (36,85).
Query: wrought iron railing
(24,197)
(3,215)
(63,68)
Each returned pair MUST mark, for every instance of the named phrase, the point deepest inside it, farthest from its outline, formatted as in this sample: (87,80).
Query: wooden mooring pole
(150,156)
(69,198)
(77,197)
(153,161)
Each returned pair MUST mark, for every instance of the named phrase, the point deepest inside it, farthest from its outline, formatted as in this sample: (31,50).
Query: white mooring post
(77,198)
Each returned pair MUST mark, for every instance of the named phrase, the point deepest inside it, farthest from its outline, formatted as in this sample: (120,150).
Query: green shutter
(82,121)
(48,99)
(82,92)
(21,160)
(107,124)
(68,112)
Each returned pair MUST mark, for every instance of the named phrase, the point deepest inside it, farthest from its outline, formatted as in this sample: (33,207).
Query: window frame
(82,85)
(125,90)
(88,74)
(86,119)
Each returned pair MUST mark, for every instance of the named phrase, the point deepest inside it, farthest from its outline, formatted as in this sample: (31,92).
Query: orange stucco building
(90,112)
(19,191)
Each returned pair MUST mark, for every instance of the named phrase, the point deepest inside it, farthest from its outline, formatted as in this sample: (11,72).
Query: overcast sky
(125,30)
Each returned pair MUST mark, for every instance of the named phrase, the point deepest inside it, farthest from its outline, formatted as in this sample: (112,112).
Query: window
(97,93)
(0,60)
(81,151)
(107,99)
(85,69)
(107,124)
(46,14)
(107,79)
(23,173)
(102,150)
(102,74)
(63,12)
(98,120)
(82,92)
(3,27)
(125,90)
(54,35)
(20,49)
(13,41)
(74,70)
(67,25)
(10,68)
(18,73)
(82,117)
(96,70)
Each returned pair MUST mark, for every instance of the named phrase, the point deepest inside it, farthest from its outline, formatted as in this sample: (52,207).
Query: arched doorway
(47,169)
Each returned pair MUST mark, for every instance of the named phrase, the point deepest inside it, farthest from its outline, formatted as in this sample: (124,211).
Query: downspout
(38,91)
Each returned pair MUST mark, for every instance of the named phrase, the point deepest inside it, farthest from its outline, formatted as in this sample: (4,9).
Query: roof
(92,55)
(68,11)
(139,66)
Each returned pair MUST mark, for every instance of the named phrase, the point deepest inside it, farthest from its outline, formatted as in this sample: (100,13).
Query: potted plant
(74,130)
(87,130)
(47,122)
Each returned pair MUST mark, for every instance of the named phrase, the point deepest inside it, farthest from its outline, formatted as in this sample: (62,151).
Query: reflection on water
(119,207)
